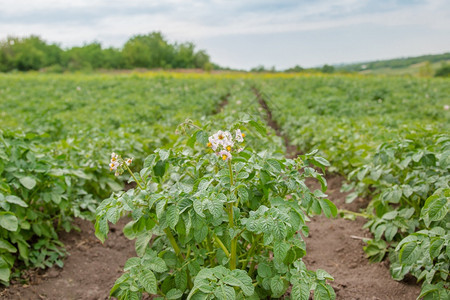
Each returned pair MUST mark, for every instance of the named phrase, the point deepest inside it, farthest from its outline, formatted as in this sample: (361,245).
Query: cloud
(201,21)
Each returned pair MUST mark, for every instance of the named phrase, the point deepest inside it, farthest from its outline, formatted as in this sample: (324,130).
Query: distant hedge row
(140,51)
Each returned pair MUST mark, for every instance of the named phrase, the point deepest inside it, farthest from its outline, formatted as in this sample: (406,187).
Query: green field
(389,136)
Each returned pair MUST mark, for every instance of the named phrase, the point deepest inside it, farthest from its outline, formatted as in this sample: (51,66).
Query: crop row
(389,136)
(57,133)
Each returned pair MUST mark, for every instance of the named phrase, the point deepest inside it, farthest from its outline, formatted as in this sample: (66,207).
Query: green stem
(137,182)
(210,250)
(221,245)
(231,222)
(366,216)
(231,172)
(252,268)
(251,251)
(174,244)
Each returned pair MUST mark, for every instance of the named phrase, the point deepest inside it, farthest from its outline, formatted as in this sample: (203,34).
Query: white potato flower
(225,155)
(113,165)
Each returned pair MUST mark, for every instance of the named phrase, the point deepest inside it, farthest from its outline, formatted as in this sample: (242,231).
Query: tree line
(141,51)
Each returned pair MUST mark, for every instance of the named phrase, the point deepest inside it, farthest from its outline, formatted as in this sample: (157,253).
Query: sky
(244,34)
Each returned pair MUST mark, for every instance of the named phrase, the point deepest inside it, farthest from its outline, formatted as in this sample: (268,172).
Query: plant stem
(221,245)
(252,268)
(251,251)
(174,244)
(137,182)
(367,216)
(231,222)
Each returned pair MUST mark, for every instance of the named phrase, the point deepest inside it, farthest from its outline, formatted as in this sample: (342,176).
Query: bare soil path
(89,271)
(332,245)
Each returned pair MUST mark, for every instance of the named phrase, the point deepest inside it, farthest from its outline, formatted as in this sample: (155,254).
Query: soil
(334,245)
(89,271)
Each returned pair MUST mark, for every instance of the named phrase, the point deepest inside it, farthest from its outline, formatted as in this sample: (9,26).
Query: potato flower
(225,155)
(119,165)
(223,143)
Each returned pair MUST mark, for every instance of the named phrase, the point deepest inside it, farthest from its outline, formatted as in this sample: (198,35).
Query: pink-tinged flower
(117,173)
(446,107)
(113,165)
(129,161)
(213,143)
(225,155)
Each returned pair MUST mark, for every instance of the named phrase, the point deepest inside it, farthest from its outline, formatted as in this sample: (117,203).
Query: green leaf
(324,291)
(181,280)
(5,272)
(322,275)
(16,200)
(113,215)
(148,280)
(243,194)
(242,175)
(435,209)
(158,264)
(101,228)
(274,164)
(246,282)
(160,168)
(280,249)
(300,291)
(8,220)
(172,216)
(164,154)
(434,292)
(142,242)
(328,208)
(5,245)
(149,161)
(132,262)
(174,294)
(215,207)
(392,196)
(198,207)
(277,286)
(279,230)
(202,137)
(435,247)
(409,253)
(264,270)
(390,232)
(322,161)
(28,182)
(258,127)
(223,292)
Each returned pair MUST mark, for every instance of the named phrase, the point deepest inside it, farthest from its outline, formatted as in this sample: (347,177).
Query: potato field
(166,185)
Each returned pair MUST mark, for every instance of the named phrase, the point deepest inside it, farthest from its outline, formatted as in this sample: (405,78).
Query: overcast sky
(245,34)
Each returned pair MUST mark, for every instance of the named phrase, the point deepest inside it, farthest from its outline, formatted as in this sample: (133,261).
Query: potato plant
(390,138)
(213,218)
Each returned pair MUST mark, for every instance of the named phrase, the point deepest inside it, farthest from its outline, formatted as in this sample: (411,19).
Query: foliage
(395,63)
(219,227)
(443,71)
(39,195)
(392,145)
(55,169)
(140,51)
